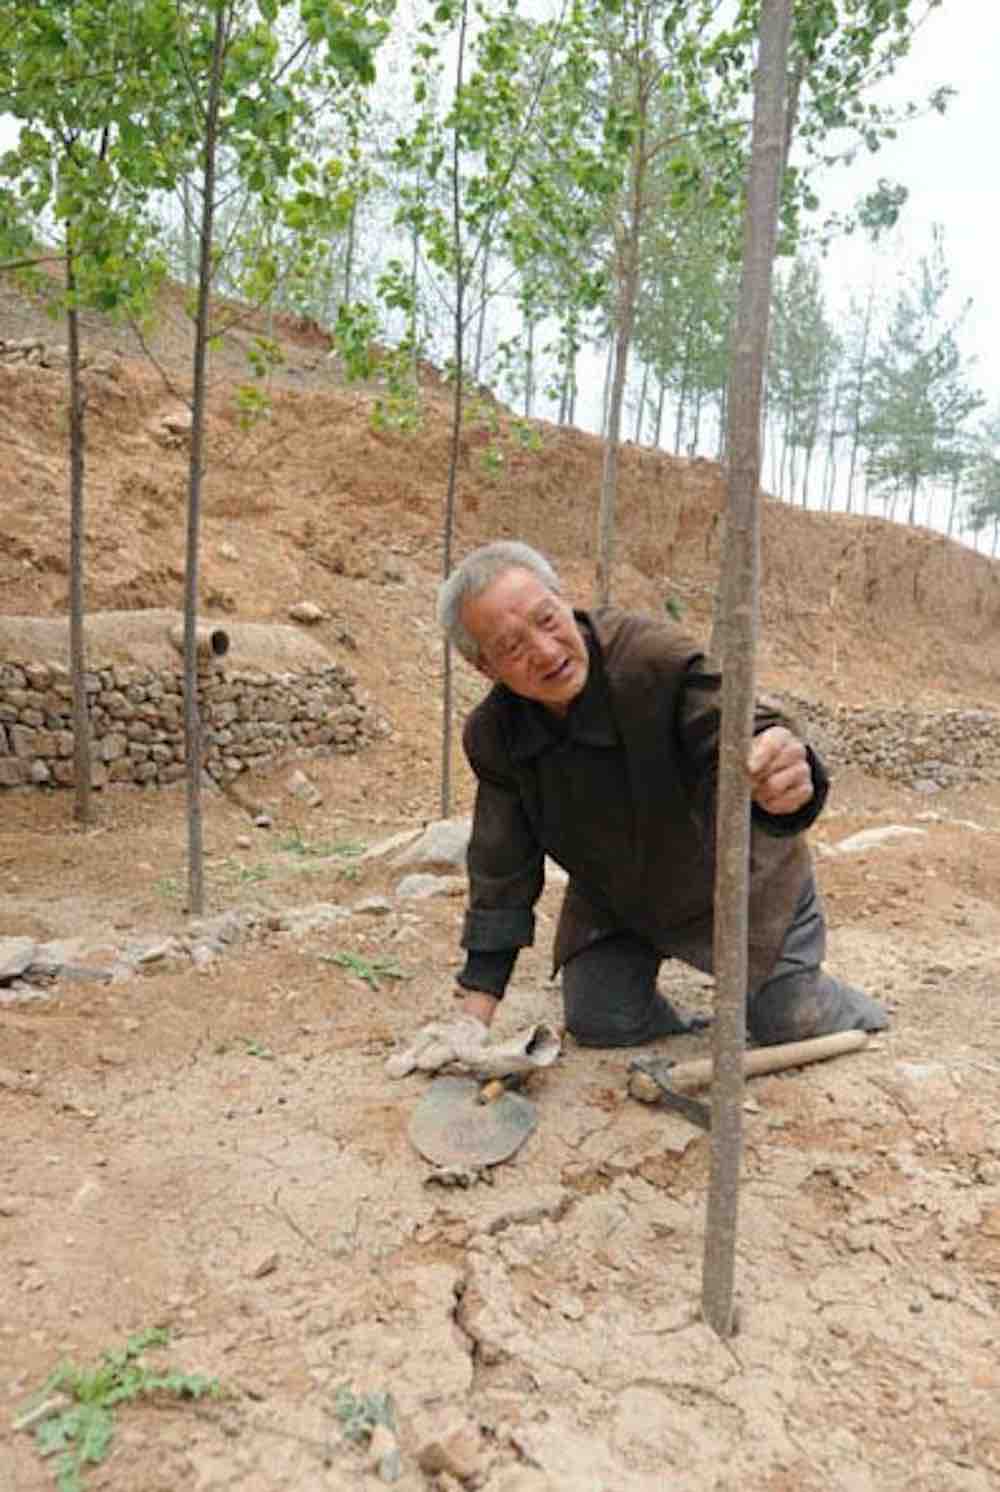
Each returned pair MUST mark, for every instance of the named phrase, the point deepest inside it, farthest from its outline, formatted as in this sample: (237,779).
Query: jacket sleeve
(505,865)
(698,725)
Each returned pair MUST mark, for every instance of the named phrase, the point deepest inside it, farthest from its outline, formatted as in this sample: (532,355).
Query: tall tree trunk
(77,659)
(806,470)
(192,718)
(640,412)
(830,467)
(739,612)
(609,368)
(785,448)
(859,390)
(349,251)
(414,323)
(952,504)
(456,414)
(627,275)
(682,394)
(484,285)
(699,404)
(529,367)
(609,474)
(563,398)
(660,400)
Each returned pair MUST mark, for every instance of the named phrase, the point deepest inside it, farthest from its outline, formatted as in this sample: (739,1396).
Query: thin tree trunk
(484,280)
(192,718)
(952,505)
(627,276)
(349,254)
(784,458)
(806,470)
(696,431)
(660,400)
(414,338)
(529,367)
(563,398)
(830,468)
(739,588)
(609,474)
(456,416)
(187,232)
(606,397)
(859,389)
(681,406)
(642,405)
(77,456)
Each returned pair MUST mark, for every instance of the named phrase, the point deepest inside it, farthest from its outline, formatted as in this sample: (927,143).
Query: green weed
(296,844)
(371,970)
(72,1415)
(255,1048)
(360,1413)
(232,869)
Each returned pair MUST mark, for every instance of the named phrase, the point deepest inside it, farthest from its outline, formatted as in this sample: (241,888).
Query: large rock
(442,845)
(16,955)
(873,839)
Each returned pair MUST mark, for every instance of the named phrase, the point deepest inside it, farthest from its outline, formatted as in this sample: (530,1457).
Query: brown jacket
(647,724)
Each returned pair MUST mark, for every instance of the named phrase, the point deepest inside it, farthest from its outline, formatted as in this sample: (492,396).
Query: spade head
(450,1127)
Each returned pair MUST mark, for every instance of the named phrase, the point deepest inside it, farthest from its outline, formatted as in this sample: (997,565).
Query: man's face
(528,639)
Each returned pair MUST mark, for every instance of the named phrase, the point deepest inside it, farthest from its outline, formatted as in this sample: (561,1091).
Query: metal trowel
(460,1124)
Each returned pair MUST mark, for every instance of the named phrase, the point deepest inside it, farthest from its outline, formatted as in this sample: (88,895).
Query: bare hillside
(199,1132)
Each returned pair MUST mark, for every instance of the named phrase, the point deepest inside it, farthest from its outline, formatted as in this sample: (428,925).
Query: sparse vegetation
(360,1413)
(371,970)
(72,1415)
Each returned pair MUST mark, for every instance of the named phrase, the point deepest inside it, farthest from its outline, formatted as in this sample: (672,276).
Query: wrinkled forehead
(511,601)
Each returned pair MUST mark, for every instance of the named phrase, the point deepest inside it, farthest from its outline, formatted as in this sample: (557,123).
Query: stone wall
(248,717)
(922,749)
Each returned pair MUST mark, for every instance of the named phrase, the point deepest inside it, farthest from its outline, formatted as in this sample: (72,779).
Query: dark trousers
(609,989)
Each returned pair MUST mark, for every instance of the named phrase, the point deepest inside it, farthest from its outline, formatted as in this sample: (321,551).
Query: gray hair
(477,571)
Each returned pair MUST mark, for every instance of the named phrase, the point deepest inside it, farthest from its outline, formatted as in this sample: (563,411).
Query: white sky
(950,166)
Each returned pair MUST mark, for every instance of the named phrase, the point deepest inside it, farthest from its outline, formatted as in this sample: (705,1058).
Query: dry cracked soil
(217,1151)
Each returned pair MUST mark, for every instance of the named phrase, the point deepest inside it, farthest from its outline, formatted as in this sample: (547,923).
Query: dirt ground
(218,1151)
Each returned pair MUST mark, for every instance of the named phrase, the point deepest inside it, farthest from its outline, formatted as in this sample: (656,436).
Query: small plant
(526,435)
(296,844)
(673,608)
(73,1413)
(368,969)
(255,1048)
(360,1413)
(250,873)
(493,459)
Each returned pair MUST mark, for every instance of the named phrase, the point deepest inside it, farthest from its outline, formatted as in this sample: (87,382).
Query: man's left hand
(780,776)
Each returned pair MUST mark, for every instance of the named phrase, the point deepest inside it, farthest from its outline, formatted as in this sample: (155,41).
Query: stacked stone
(137,721)
(920,748)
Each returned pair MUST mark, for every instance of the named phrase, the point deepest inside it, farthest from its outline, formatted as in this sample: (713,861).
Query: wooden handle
(688,1076)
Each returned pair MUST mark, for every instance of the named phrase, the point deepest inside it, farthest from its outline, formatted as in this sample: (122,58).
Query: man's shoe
(796,1008)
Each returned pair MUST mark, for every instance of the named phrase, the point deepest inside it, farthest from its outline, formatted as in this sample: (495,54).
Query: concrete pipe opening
(210,642)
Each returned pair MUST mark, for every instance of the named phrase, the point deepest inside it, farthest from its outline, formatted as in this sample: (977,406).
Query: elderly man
(597,746)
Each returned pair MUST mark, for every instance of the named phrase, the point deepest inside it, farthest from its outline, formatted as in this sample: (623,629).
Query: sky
(950,166)
(946,164)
